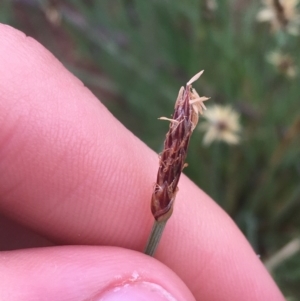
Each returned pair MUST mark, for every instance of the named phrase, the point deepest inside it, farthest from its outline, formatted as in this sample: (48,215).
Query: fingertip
(144,290)
(87,273)
(8,34)
(24,60)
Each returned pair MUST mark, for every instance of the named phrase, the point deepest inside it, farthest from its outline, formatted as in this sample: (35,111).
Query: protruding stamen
(169,119)
(200,99)
(194,78)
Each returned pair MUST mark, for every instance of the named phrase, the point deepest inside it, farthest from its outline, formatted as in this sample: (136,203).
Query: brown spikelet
(171,162)
(172,158)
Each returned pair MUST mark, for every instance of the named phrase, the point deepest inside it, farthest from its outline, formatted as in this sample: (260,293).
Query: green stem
(154,238)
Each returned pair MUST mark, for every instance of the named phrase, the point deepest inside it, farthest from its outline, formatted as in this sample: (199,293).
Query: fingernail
(139,291)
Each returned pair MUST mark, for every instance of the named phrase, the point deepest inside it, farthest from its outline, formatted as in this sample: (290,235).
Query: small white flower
(211,5)
(284,63)
(221,124)
(282,14)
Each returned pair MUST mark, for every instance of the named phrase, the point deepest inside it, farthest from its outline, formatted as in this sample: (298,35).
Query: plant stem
(155,236)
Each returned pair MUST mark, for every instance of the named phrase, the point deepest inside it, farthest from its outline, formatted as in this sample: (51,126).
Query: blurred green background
(135,55)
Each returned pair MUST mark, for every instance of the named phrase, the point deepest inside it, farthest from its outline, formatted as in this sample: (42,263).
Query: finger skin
(72,172)
(80,273)
(14,236)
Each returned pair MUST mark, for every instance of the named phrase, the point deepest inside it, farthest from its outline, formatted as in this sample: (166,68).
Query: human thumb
(87,273)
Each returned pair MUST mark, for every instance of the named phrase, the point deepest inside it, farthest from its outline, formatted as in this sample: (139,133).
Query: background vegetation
(134,55)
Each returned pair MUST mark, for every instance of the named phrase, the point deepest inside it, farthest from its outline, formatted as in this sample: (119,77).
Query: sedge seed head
(172,159)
